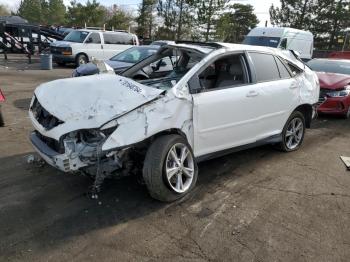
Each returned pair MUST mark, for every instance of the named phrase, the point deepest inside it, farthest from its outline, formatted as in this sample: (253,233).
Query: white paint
(211,121)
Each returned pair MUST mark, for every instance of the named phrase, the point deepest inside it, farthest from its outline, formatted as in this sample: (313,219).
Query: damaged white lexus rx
(215,98)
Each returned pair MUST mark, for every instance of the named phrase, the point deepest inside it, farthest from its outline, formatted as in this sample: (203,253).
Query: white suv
(80,45)
(217,98)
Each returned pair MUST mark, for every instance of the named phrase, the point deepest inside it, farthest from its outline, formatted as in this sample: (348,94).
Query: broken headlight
(340,93)
(92,136)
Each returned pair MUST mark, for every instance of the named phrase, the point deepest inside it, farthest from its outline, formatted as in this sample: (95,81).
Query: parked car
(2,99)
(119,62)
(284,38)
(334,77)
(79,46)
(217,98)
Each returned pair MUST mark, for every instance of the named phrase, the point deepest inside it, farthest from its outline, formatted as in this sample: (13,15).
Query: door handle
(252,93)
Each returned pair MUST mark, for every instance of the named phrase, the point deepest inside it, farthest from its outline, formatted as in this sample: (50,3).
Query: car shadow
(22,103)
(55,206)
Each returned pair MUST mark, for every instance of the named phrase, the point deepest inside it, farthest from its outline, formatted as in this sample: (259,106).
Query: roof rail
(205,44)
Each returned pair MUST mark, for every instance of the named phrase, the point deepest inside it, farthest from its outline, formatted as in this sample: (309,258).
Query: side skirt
(270,140)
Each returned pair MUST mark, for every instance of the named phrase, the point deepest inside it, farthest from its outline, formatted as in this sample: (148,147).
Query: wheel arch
(306,110)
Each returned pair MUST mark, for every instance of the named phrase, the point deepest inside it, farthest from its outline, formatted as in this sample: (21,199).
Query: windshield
(134,55)
(163,70)
(76,36)
(262,41)
(330,66)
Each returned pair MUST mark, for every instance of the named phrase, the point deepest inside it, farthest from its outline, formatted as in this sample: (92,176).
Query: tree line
(153,19)
(203,20)
(328,20)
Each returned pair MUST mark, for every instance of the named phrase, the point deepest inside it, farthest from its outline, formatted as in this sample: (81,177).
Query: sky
(261,6)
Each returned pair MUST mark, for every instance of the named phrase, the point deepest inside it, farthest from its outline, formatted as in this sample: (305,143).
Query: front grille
(45,119)
(55,50)
(52,143)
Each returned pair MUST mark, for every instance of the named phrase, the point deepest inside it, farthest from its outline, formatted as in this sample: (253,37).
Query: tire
(159,162)
(2,123)
(347,115)
(297,137)
(81,59)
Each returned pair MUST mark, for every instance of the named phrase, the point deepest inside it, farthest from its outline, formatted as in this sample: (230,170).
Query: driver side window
(93,38)
(224,73)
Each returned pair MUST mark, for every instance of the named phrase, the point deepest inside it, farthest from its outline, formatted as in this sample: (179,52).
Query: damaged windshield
(164,70)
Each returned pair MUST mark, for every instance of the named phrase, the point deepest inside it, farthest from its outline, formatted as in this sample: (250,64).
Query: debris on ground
(346,161)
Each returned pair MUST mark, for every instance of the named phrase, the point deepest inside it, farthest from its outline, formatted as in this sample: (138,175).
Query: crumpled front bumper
(64,162)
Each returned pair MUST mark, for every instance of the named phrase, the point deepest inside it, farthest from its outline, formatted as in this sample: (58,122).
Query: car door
(93,46)
(224,115)
(278,92)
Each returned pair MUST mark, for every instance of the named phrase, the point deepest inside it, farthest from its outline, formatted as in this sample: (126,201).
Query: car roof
(202,47)
(102,31)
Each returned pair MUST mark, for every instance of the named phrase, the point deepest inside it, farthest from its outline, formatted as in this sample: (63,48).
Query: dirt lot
(256,205)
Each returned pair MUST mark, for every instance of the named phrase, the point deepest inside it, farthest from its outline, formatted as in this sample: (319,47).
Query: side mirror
(88,41)
(194,85)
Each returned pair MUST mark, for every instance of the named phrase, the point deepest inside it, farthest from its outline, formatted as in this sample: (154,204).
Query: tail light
(2,97)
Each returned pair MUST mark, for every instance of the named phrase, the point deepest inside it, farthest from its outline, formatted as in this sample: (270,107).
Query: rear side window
(295,70)
(283,70)
(265,67)
(118,39)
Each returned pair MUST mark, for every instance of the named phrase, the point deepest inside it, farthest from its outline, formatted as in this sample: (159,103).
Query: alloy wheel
(294,133)
(179,168)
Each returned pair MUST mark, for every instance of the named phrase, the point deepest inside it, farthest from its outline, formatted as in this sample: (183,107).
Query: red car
(334,76)
(2,99)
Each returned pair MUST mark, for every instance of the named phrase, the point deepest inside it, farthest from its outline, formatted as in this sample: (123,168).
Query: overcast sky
(261,6)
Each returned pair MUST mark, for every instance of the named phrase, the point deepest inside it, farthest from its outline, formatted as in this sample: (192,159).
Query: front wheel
(293,133)
(81,60)
(347,115)
(170,170)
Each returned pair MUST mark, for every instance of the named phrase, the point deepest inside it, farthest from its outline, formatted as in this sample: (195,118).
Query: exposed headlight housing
(340,93)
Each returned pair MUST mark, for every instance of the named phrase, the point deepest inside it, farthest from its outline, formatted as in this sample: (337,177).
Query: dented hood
(333,81)
(93,100)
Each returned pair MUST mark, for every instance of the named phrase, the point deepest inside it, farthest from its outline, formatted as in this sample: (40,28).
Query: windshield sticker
(131,86)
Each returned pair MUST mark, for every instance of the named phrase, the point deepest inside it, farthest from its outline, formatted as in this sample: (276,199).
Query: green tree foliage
(326,19)
(293,13)
(4,11)
(233,25)
(178,19)
(207,15)
(91,14)
(56,12)
(33,10)
(146,18)
(118,18)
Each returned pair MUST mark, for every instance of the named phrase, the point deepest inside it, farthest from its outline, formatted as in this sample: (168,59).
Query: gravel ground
(255,205)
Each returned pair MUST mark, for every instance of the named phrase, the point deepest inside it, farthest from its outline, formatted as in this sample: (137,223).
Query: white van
(284,38)
(80,45)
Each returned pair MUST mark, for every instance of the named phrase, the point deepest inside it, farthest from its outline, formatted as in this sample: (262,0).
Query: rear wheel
(170,170)
(293,133)
(81,59)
